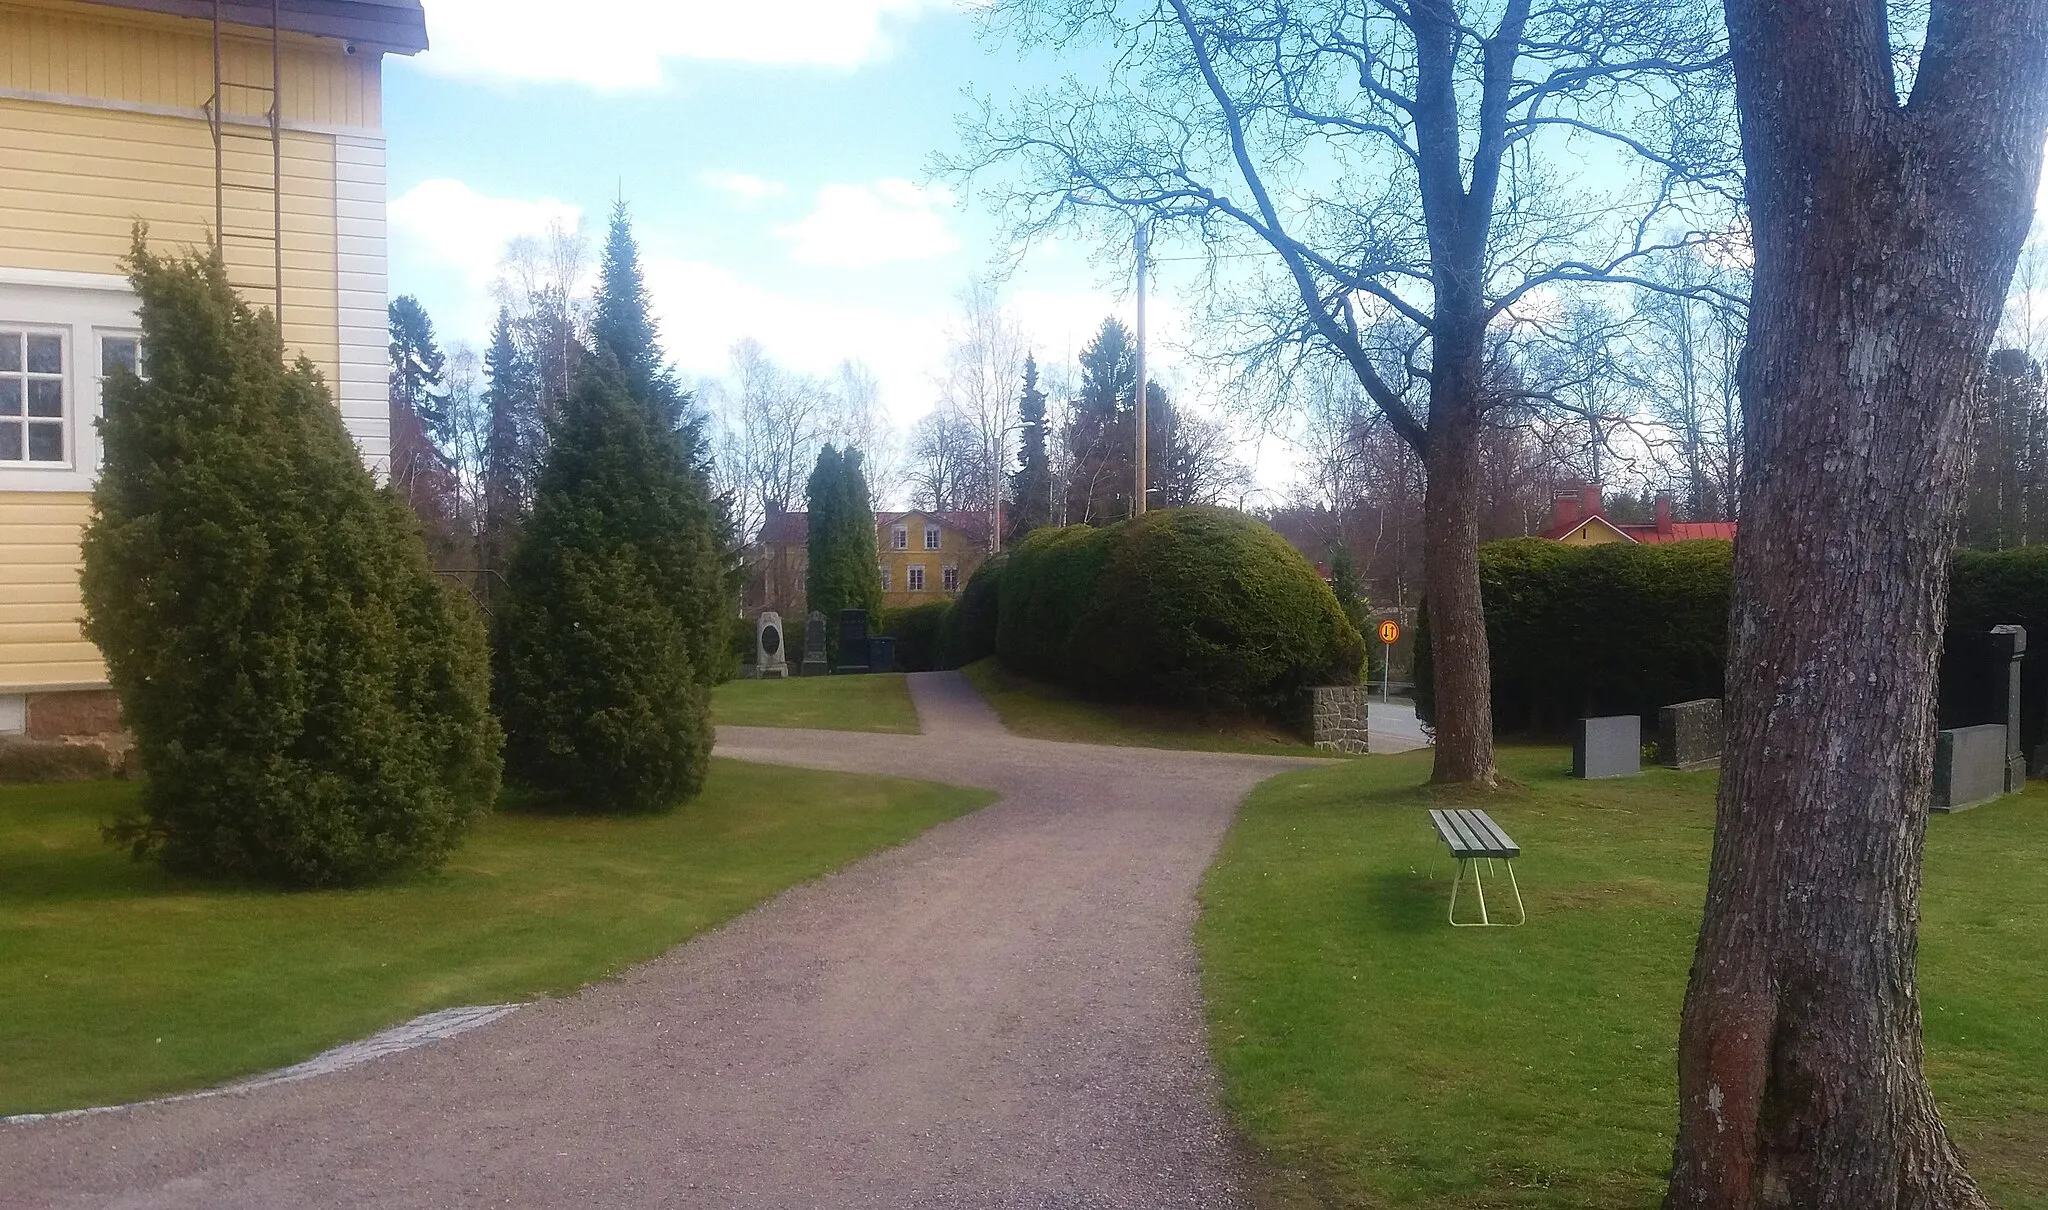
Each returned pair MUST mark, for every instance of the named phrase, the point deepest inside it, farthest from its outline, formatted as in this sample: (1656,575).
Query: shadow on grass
(1406,901)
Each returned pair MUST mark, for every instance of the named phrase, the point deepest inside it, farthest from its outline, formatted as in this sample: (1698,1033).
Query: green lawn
(1383,1058)
(864,702)
(1044,711)
(119,982)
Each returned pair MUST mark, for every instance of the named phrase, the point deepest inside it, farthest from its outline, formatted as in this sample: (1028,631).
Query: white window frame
(899,538)
(84,307)
(949,577)
(932,540)
(885,577)
(914,581)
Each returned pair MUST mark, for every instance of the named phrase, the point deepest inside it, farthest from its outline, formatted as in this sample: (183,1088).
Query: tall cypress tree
(843,571)
(1031,483)
(614,625)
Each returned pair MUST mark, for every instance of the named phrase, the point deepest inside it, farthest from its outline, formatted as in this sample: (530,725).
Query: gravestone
(1969,767)
(2010,642)
(770,655)
(1608,747)
(1689,734)
(1337,718)
(853,640)
(814,645)
(881,653)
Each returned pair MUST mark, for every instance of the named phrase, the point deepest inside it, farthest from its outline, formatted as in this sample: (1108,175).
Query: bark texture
(1450,560)
(1885,236)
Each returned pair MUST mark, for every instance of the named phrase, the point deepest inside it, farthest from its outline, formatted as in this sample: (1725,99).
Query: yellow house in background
(928,556)
(259,120)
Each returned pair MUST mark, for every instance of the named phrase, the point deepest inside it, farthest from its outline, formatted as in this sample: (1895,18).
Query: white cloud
(744,186)
(452,225)
(615,45)
(860,226)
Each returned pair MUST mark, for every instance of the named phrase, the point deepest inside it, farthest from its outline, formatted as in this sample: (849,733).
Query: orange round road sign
(1390,632)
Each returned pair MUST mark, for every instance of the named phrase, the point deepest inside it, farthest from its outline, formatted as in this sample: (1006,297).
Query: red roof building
(1580,518)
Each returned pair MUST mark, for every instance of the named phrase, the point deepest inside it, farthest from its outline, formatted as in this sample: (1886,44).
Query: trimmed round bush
(1207,607)
(1198,607)
(310,704)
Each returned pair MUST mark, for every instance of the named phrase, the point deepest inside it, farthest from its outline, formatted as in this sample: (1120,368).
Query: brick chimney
(1664,513)
(1589,501)
(1564,510)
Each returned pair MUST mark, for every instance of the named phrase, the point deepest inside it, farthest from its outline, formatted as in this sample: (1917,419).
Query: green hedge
(919,631)
(1618,629)
(1196,607)
(1986,589)
(1578,631)
(970,632)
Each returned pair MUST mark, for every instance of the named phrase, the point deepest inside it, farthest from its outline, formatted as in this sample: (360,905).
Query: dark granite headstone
(1608,747)
(881,653)
(1969,767)
(814,644)
(2010,642)
(853,641)
(1689,734)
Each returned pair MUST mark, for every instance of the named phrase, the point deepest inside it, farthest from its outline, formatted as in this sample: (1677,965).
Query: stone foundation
(1337,718)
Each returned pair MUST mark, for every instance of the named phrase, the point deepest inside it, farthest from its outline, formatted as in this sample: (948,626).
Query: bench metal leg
(1479,888)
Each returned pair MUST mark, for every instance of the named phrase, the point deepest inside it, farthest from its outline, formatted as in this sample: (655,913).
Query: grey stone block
(1969,767)
(1337,718)
(1608,747)
(814,644)
(1689,734)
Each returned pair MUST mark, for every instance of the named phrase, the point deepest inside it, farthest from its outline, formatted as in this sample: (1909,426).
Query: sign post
(1390,633)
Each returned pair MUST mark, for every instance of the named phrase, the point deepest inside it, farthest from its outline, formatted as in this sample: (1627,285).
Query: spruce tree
(1031,483)
(506,477)
(618,596)
(843,571)
(310,703)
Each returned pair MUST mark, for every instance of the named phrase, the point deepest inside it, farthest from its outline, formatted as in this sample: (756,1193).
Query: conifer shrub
(605,701)
(970,632)
(842,568)
(620,597)
(309,703)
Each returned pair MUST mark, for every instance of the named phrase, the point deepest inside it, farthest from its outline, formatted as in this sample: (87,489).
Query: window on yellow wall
(950,578)
(931,537)
(885,577)
(915,580)
(35,402)
(900,538)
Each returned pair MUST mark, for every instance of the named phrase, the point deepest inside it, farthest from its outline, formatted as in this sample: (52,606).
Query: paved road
(1002,1013)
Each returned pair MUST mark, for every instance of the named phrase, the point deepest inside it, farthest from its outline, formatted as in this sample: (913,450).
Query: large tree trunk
(1450,569)
(1885,239)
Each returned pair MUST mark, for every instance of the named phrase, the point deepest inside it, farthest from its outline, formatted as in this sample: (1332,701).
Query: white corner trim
(63,279)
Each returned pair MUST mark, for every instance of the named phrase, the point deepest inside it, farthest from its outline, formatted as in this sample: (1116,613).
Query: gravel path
(1002,1013)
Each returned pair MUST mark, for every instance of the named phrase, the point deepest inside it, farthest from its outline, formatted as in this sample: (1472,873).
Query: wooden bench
(1473,836)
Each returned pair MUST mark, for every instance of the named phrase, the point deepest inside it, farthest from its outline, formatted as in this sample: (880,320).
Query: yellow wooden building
(259,119)
(928,556)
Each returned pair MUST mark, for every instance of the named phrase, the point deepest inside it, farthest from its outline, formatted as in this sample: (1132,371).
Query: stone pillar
(2011,642)
(1337,718)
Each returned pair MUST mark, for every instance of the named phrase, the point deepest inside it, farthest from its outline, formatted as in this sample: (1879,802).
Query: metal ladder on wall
(232,132)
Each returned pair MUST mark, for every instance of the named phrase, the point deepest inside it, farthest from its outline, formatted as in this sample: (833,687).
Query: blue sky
(773,155)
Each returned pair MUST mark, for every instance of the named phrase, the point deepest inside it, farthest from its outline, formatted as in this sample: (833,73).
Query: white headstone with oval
(771,653)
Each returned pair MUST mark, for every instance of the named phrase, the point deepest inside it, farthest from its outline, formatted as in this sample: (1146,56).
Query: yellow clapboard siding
(78,180)
(145,59)
(40,643)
